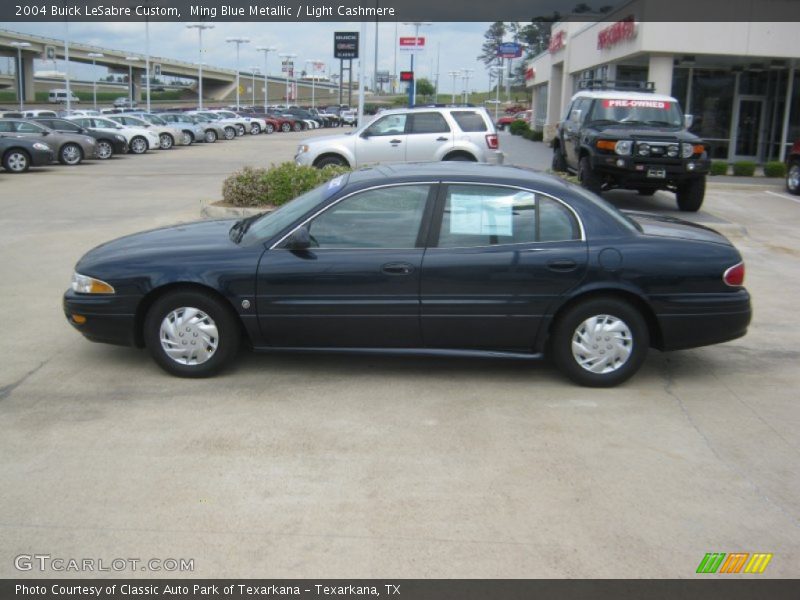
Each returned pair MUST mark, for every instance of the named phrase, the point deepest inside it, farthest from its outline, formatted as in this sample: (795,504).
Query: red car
(793,169)
(504,122)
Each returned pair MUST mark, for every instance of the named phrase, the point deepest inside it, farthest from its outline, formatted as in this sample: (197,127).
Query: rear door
(498,257)
(429,137)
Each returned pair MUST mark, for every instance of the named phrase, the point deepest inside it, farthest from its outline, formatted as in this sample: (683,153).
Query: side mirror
(299,240)
(687,121)
(576,115)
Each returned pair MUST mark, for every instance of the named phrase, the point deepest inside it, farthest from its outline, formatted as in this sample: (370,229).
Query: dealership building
(739,80)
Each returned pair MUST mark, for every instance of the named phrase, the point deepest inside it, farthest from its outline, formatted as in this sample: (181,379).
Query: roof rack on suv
(607,84)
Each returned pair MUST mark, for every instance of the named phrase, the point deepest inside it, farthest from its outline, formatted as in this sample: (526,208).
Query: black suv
(613,137)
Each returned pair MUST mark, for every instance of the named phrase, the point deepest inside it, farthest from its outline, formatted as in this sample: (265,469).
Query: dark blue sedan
(444,259)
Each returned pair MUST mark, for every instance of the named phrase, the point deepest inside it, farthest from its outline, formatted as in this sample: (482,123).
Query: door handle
(397,268)
(441,139)
(396,142)
(562,264)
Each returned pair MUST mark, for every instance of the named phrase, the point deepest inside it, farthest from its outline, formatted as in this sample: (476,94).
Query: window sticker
(481,215)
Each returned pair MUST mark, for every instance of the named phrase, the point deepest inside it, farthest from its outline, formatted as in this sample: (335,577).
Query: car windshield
(108,123)
(156,120)
(272,223)
(665,113)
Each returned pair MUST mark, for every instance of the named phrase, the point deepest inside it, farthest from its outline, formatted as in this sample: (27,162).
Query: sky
(459,45)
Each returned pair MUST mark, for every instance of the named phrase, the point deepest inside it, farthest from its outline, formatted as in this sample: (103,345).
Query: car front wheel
(165,141)
(255,129)
(70,154)
(336,161)
(188,138)
(600,342)
(191,333)
(298,126)
(138,145)
(690,194)
(587,177)
(104,150)
(793,178)
(286,128)
(230,133)
(210,136)
(240,130)
(270,128)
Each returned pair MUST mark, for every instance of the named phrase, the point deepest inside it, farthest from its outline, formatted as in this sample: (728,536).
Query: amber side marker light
(79,319)
(606,145)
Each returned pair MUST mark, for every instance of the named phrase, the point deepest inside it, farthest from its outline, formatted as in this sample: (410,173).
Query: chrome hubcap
(189,336)
(166,141)
(104,150)
(793,179)
(211,136)
(71,154)
(602,344)
(139,146)
(187,139)
(255,130)
(230,134)
(17,162)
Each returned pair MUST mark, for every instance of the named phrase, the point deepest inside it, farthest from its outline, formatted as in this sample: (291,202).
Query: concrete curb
(212,211)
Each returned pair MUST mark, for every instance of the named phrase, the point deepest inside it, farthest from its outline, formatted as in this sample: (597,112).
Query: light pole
(94,56)
(466,74)
(66,66)
(313,62)
(454,75)
(200,29)
(496,71)
(238,42)
(417,25)
(288,58)
(131,60)
(266,50)
(20,91)
(253,72)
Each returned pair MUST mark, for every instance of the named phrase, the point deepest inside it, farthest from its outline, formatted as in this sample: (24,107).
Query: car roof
(623,95)
(400,111)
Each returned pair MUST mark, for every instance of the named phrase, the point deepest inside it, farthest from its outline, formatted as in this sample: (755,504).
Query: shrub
(719,167)
(276,185)
(744,168)
(775,169)
(518,127)
(533,135)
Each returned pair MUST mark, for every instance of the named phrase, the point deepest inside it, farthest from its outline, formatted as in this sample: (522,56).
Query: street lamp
(288,58)
(417,25)
(253,72)
(94,56)
(497,71)
(20,92)
(266,50)
(131,60)
(454,75)
(200,29)
(465,76)
(314,62)
(238,42)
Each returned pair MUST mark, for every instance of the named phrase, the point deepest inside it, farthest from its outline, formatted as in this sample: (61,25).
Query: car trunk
(666,226)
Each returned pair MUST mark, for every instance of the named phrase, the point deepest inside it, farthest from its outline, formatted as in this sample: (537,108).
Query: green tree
(425,87)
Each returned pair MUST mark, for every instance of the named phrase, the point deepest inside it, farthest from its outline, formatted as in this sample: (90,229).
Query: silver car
(409,135)
(202,131)
(70,148)
(168,136)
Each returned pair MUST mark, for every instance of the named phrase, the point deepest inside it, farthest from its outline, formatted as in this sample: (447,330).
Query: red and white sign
(659,104)
(530,74)
(558,41)
(412,45)
(618,32)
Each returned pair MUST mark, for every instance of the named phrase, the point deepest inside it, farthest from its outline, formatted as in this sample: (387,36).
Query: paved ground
(294,466)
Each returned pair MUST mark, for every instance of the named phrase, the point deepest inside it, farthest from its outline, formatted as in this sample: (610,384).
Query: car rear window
(469,120)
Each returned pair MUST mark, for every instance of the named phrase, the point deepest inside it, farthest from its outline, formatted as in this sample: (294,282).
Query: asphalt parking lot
(303,466)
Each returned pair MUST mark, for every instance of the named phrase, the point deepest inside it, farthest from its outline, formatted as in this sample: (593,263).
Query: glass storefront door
(750,127)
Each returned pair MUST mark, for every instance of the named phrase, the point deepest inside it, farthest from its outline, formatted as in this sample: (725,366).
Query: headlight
(672,151)
(623,147)
(89,285)
(120,138)
(687,150)
(302,148)
(41,146)
(644,149)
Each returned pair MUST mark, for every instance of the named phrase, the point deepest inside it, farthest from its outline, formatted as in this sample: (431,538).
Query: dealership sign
(558,41)
(345,45)
(620,31)
(530,74)
(509,50)
(411,45)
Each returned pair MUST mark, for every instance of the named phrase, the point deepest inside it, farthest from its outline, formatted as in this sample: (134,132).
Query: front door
(749,128)
(498,258)
(384,141)
(357,285)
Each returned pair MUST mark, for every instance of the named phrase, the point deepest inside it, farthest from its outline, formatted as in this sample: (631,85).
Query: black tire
(559,162)
(166,141)
(286,127)
(690,194)
(336,161)
(230,133)
(228,332)
(138,145)
(587,177)
(270,128)
(793,178)
(16,161)
(210,136)
(70,154)
(569,327)
(255,129)
(105,150)
(647,191)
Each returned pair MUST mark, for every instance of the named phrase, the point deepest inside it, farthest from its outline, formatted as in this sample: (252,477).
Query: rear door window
(469,120)
(432,122)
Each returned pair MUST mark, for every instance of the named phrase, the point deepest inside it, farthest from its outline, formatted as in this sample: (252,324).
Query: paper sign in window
(481,215)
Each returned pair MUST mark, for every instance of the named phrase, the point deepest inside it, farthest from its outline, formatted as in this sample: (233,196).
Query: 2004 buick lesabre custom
(440,259)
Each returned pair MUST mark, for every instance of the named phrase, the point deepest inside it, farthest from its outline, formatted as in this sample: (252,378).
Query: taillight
(734,276)
(492,141)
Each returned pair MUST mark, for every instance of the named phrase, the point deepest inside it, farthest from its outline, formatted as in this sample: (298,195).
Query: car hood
(206,237)
(666,226)
(647,133)
(346,138)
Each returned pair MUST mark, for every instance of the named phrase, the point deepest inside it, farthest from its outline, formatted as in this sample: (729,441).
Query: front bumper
(40,158)
(109,319)
(635,172)
(119,146)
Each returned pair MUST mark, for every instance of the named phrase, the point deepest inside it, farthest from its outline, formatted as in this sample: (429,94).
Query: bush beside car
(274,186)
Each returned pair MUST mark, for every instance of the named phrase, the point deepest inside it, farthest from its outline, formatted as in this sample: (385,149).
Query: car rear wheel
(240,130)
(104,150)
(327,161)
(286,127)
(191,334)
(70,154)
(559,162)
(166,141)
(600,342)
(230,133)
(138,145)
(298,126)
(188,138)
(210,136)
(255,129)
(793,178)
(587,177)
(16,161)
(690,194)
(270,128)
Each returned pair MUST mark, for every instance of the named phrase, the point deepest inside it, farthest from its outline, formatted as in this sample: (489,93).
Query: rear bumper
(108,319)
(694,320)
(495,157)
